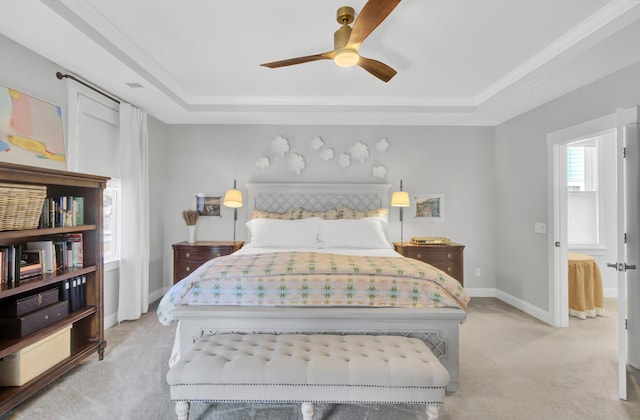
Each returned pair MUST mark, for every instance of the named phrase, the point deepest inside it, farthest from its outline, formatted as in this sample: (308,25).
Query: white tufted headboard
(283,197)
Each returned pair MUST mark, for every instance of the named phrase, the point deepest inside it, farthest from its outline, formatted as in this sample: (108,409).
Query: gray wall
(521,179)
(454,161)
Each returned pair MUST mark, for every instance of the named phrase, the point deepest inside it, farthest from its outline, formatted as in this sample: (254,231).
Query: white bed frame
(437,327)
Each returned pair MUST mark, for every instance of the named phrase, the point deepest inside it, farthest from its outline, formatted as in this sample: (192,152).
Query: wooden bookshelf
(87,332)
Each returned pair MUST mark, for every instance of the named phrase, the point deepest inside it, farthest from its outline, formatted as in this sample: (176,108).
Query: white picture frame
(429,207)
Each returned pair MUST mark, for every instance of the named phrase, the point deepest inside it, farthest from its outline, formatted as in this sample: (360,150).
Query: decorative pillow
(302,233)
(290,215)
(368,232)
(347,213)
(327,214)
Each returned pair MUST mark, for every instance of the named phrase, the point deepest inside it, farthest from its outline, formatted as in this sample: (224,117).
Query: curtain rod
(61,76)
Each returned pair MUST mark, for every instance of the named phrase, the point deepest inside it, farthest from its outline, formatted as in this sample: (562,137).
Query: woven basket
(20,206)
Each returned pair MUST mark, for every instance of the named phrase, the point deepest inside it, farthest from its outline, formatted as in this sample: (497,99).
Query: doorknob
(621,266)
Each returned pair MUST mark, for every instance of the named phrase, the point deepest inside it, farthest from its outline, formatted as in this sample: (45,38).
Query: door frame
(557,209)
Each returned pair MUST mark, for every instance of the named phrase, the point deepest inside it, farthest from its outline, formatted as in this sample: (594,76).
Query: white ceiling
(459,62)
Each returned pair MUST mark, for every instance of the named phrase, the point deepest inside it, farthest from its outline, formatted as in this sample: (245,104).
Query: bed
(318,260)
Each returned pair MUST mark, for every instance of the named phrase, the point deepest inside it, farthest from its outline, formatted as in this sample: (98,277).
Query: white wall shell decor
(281,146)
(263,163)
(359,152)
(379,171)
(382,145)
(296,163)
(317,143)
(344,160)
(326,154)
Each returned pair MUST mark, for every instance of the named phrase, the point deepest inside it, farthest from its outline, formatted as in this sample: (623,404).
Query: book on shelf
(74,291)
(62,211)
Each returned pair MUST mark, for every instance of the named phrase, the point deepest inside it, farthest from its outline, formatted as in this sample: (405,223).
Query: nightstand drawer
(448,258)
(188,257)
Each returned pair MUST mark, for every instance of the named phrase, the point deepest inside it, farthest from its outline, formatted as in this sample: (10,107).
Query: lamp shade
(400,199)
(233,198)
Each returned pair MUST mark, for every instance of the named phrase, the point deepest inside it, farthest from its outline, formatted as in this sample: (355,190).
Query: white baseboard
(112,319)
(526,307)
(481,292)
(153,296)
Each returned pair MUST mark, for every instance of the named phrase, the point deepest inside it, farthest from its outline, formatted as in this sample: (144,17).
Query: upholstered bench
(308,369)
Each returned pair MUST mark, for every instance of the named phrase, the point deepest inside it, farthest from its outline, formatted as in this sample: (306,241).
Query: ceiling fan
(347,40)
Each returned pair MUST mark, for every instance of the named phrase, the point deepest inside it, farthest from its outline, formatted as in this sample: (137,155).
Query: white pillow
(301,233)
(368,232)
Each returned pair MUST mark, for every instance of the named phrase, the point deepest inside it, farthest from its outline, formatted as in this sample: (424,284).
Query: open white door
(628,180)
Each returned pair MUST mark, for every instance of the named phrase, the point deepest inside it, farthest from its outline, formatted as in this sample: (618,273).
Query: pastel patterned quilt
(314,279)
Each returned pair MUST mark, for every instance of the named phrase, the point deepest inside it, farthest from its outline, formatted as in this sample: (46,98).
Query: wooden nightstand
(187,257)
(447,258)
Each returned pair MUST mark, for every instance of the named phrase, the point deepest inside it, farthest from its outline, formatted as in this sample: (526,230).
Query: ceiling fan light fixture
(346,57)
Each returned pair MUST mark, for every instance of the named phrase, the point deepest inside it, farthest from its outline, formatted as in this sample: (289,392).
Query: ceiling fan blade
(299,60)
(378,69)
(371,15)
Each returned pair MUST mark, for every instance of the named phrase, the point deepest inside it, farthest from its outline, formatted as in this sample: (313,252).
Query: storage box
(28,304)
(33,321)
(25,364)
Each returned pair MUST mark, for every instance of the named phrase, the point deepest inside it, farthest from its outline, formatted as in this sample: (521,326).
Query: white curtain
(134,179)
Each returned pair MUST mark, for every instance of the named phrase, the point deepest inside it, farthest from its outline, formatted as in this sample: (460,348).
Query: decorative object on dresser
(400,199)
(233,199)
(37,321)
(191,219)
(187,257)
(448,258)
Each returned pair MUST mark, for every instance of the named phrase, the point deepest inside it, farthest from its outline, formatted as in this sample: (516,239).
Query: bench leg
(182,410)
(433,412)
(307,411)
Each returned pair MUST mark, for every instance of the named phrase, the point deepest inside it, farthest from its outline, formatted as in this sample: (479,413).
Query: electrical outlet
(540,227)
(478,272)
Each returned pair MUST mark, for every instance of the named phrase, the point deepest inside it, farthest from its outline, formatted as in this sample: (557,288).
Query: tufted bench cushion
(309,368)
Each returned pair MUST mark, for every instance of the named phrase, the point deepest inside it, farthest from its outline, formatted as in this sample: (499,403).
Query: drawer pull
(188,254)
(449,269)
(419,256)
(449,256)
(218,254)
(187,268)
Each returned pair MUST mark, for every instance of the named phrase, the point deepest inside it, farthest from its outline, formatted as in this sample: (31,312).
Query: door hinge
(624,152)
(625,237)
(625,324)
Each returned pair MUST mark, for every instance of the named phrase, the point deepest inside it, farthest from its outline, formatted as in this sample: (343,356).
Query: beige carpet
(512,367)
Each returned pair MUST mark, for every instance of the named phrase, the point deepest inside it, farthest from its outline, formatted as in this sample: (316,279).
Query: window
(111,213)
(583,203)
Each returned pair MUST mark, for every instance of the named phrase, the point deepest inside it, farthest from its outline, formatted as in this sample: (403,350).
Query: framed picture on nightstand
(429,207)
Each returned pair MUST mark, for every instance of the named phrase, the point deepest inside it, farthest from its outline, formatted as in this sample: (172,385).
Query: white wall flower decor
(317,143)
(281,146)
(379,171)
(263,163)
(344,160)
(382,145)
(326,154)
(359,152)
(296,163)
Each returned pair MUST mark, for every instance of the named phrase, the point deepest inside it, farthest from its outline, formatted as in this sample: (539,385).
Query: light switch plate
(540,227)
